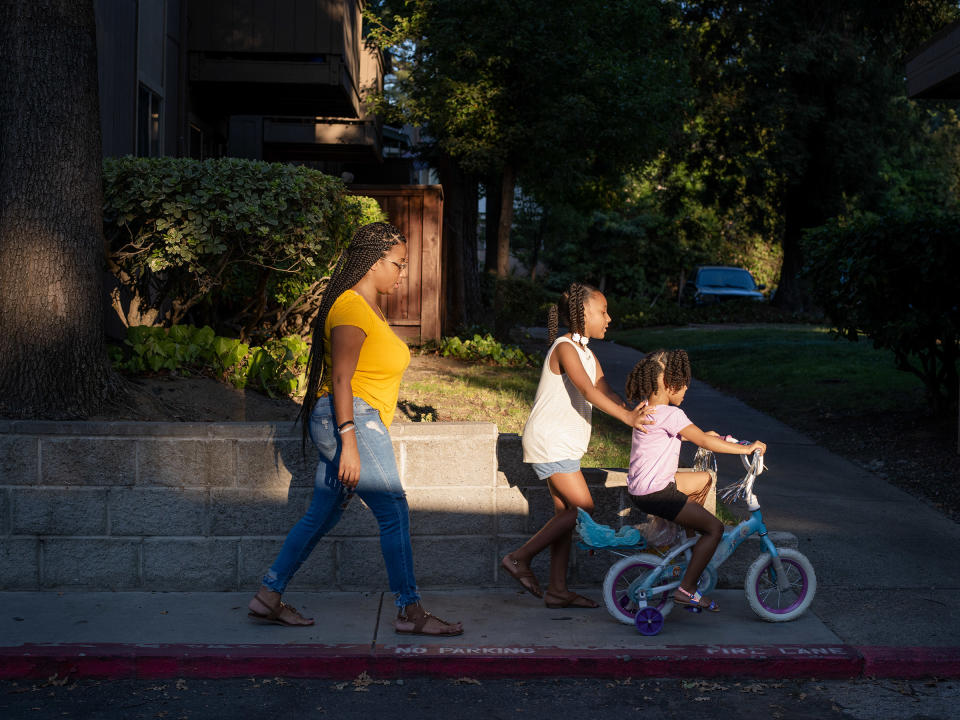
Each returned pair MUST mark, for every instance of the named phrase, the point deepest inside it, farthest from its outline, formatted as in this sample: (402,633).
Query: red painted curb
(910,662)
(112,661)
(679,661)
(348,661)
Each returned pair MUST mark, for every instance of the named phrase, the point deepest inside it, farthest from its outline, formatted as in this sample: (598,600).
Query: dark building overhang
(933,71)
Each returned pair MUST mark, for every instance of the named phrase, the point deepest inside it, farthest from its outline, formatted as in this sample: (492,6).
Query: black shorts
(666,503)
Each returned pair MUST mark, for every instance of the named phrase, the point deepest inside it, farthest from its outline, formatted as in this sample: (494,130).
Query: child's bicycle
(638,588)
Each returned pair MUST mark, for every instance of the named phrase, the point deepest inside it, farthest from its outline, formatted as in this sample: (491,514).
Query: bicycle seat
(594,534)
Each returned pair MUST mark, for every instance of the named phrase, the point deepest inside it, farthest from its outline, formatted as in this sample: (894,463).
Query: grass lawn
(785,370)
(789,369)
(842,394)
(450,392)
(846,396)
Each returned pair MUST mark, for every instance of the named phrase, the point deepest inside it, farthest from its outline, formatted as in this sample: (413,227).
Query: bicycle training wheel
(767,600)
(649,621)
(617,583)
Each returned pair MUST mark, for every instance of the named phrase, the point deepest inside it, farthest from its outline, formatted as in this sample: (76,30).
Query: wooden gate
(415,311)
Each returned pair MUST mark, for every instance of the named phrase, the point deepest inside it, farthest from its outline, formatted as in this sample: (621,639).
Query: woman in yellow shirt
(356,363)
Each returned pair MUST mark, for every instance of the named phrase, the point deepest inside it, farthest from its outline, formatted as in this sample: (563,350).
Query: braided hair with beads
(569,309)
(370,243)
(674,365)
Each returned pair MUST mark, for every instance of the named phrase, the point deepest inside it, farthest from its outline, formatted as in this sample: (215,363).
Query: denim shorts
(545,470)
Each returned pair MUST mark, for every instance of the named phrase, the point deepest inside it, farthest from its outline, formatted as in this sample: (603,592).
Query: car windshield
(726,277)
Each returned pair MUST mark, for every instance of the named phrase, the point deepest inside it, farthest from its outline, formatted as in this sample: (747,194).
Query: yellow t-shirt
(383,356)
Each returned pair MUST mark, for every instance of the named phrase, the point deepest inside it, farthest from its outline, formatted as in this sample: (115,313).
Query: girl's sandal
(556,601)
(524,576)
(695,601)
(420,617)
(274,615)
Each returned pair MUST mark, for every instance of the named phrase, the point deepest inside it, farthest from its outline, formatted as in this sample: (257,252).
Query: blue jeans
(379,488)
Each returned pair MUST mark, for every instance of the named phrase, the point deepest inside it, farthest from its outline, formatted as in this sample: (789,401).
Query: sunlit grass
(476,393)
(481,393)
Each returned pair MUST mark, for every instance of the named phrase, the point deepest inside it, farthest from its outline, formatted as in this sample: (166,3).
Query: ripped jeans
(379,488)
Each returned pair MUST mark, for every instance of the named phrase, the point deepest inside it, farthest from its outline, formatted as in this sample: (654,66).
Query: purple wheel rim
(802,586)
(620,584)
(649,621)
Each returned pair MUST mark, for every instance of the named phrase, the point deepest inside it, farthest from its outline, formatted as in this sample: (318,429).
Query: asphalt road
(469,698)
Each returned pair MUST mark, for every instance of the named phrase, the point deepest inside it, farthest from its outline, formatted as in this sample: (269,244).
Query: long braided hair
(569,309)
(369,244)
(674,365)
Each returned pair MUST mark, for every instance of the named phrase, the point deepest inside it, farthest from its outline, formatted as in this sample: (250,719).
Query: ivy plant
(278,367)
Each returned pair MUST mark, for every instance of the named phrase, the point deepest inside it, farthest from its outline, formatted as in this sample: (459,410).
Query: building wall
(138,45)
(210,73)
(117,73)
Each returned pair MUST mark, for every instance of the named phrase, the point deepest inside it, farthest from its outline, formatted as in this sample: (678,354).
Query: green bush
(278,367)
(241,245)
(893,279)
(485,348)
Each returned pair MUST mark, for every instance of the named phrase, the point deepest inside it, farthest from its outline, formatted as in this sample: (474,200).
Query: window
(726,277)
(149,108)
(196,149)
(151,16)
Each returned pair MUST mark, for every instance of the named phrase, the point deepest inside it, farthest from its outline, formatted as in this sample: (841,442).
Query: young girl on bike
(557,433)
(662,379)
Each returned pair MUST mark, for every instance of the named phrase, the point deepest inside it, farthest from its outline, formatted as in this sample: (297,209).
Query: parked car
(712,283)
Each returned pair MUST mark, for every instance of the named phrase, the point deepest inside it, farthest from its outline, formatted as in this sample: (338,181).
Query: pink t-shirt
(655,454)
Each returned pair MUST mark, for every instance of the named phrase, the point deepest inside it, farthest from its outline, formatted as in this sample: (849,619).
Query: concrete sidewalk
(507,634)
(885,605)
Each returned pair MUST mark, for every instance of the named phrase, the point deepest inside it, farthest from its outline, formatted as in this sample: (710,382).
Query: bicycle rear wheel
(616,596)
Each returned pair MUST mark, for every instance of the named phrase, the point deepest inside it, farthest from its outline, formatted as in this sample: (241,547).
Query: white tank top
(559,424)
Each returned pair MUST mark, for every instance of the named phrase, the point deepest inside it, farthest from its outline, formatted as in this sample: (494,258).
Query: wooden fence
(416,310)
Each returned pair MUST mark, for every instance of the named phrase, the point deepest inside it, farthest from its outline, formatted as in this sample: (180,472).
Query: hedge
(243,246)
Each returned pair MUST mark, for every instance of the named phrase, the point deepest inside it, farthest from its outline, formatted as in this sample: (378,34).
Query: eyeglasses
(400,266)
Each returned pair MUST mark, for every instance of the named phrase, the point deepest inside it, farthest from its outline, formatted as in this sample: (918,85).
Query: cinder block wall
(183,506)
(204,506)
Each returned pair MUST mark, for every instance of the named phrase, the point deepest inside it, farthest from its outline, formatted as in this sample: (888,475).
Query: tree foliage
(561,98)
(237,244)
(800,104)
(893,278)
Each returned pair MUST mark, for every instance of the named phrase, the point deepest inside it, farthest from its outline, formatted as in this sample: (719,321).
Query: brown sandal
(554,601)
(420,617)
(524,576)
(272,616)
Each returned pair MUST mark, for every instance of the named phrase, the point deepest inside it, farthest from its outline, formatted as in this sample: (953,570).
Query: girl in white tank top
(557,434)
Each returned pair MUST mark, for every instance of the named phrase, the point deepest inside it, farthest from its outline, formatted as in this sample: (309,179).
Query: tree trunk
(789,294)
(53,362)
(492,185)
(462,296)
(537,243)
(506,221)
(805,205)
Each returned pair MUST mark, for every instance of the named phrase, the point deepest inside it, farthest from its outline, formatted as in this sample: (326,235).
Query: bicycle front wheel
(765,596)
(616,588)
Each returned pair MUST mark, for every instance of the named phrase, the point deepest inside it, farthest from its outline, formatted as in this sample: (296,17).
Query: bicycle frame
(731,540)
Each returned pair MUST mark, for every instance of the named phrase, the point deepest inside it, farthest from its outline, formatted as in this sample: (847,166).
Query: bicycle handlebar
(755,464)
